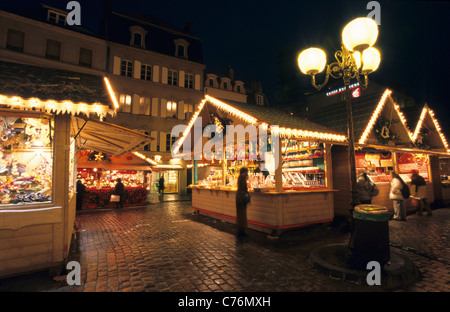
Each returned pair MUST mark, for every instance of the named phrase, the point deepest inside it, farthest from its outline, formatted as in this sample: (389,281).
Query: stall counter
(270,212)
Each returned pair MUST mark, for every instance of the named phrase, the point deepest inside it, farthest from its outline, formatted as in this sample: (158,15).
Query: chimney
(230,73)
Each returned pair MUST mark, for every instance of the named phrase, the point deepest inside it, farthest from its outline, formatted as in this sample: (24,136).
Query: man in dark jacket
(119,190)
(419,192)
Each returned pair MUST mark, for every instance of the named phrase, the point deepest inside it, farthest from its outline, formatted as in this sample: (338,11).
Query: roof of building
(51,84)
(50,89)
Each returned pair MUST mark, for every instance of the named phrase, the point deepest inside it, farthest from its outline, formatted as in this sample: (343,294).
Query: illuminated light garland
(111,93)
(145,158)
(419,124)
(374,116)
(189,126)
(58,107)
(283,132)
(438,127)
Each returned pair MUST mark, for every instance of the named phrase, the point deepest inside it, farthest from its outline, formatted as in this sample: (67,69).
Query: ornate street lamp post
(356,59)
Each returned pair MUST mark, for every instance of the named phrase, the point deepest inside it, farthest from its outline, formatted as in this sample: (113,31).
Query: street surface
(164,247)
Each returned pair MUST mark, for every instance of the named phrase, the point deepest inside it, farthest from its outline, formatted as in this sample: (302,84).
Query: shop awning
(104,137)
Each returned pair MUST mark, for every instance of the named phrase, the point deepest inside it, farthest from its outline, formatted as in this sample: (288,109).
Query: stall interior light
(58,107)
(151,161)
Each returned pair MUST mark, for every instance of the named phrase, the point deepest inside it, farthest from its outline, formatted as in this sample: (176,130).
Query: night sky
(414,38)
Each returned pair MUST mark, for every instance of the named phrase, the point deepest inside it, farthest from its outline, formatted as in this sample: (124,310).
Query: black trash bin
(370,236)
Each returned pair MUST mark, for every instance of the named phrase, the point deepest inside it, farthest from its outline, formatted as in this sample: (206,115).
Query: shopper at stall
(80,194)
(119,190)
(396,195)
(366,189)
(161,186)
(242,199)
(419,192)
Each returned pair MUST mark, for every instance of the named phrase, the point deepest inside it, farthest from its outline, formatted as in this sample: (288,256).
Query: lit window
(146,72)
(144,106)
(171,108)
(189,81)
(172,78)
(126,68)
(188,111)
(125,103)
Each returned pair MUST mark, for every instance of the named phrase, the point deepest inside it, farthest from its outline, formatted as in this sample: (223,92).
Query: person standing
(80,194)
(161,185)
(419,191)
(396,195)
(119,190)
(242,199)
(365,188)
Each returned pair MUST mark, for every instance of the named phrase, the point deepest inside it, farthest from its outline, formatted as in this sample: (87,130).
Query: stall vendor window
(407,162)
(378,165)
(303,164)
(26,160)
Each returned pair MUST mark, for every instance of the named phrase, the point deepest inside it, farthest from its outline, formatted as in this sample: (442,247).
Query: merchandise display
(26,160)
(97,178)
(303,168)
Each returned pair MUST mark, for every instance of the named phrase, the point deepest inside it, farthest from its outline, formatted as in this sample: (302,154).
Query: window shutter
(180,110)
(155,73)
(137,70)
(155,107)
(181,79)
(164,74)
(154,135)
(135,104)
(163,107)
(162,141)
(116,65)
(197,82)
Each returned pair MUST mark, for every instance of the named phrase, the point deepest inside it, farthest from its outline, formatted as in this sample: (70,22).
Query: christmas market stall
(293,186)
(99,172)
(428,135)
(383,144)
(39,143)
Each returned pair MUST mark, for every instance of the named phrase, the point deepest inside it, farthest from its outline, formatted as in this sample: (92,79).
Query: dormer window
(56,17)
(181,47)
(137,36)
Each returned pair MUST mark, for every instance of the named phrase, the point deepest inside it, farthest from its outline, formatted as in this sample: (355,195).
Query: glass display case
(26,160)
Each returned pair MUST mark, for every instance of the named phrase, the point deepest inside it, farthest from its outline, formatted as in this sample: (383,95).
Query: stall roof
(51,90)
(289,126)
(104,137)
(366,110)
(427,132)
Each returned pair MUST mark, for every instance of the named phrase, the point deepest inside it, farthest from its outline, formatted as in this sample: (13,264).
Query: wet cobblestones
(165,248)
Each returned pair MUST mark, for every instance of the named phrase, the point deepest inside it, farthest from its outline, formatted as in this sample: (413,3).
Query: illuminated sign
(356,93)
(342,89)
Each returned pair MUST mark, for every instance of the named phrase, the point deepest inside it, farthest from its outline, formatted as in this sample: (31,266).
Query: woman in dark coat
(242,199)
(80,194)
(119,190)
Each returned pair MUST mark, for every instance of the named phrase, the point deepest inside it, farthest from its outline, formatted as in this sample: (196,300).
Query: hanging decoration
(422,140)
(99,157)
(383,131)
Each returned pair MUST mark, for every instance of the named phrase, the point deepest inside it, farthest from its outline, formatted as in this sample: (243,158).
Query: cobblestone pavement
(165,248)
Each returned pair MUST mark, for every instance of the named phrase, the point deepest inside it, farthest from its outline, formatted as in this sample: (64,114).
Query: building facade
(155,69)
